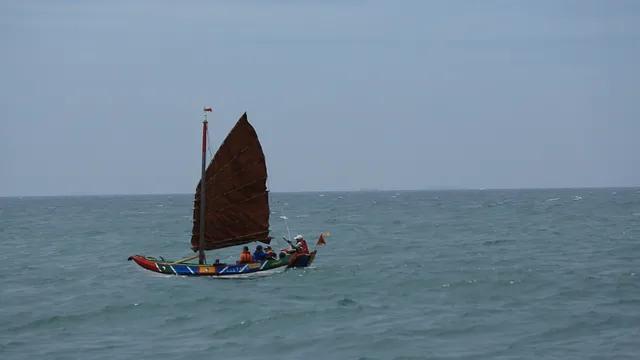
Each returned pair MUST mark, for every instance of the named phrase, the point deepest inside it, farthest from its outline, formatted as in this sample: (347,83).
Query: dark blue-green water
(522,274)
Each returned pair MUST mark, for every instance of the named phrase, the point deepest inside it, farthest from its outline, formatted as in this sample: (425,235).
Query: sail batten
(237,201)
(239,188)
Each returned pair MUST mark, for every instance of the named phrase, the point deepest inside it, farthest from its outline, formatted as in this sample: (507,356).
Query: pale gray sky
(101,97)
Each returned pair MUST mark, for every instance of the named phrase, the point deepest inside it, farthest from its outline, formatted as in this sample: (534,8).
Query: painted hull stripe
(167,268)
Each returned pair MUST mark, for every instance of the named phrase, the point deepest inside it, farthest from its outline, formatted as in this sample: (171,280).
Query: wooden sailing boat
(231,208)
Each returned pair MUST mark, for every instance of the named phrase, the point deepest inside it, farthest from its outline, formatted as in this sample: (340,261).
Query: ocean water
(517,274)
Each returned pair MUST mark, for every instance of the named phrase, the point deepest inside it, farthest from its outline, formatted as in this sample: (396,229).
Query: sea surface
(509,274)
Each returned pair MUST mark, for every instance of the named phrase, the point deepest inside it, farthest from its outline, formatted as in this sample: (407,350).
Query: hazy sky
(100,97)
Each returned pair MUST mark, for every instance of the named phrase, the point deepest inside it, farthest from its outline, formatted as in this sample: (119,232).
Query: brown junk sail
(237,206)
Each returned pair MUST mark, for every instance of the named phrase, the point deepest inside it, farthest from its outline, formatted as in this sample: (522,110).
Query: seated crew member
(270,253)
(259,255)
(245,256)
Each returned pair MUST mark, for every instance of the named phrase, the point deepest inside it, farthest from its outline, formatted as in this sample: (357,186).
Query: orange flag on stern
(321,241)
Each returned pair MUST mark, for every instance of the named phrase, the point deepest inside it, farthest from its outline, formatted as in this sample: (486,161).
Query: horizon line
(362,190)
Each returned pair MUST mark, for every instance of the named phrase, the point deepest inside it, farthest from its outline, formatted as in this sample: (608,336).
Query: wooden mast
(203,198)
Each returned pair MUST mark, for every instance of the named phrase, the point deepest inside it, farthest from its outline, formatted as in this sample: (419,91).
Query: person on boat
(301,245)
(245,256)
(270,254)
(259,254)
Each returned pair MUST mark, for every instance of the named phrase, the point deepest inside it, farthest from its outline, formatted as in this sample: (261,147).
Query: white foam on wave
(577,197)
(129,212)
(553,199)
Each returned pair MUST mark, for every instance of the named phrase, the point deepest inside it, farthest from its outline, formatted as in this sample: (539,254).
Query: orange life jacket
(245,257)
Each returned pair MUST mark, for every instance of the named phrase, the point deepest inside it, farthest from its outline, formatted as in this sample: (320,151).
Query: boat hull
(222,270)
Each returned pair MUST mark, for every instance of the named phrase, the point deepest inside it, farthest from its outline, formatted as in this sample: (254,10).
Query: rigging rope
(285,218)
(209,144)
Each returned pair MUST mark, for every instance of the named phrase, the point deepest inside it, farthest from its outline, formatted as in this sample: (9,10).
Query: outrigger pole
(202,259)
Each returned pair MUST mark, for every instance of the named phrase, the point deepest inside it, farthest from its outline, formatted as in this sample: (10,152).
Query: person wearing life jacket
(245,256)
(259,254)
(301,245)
